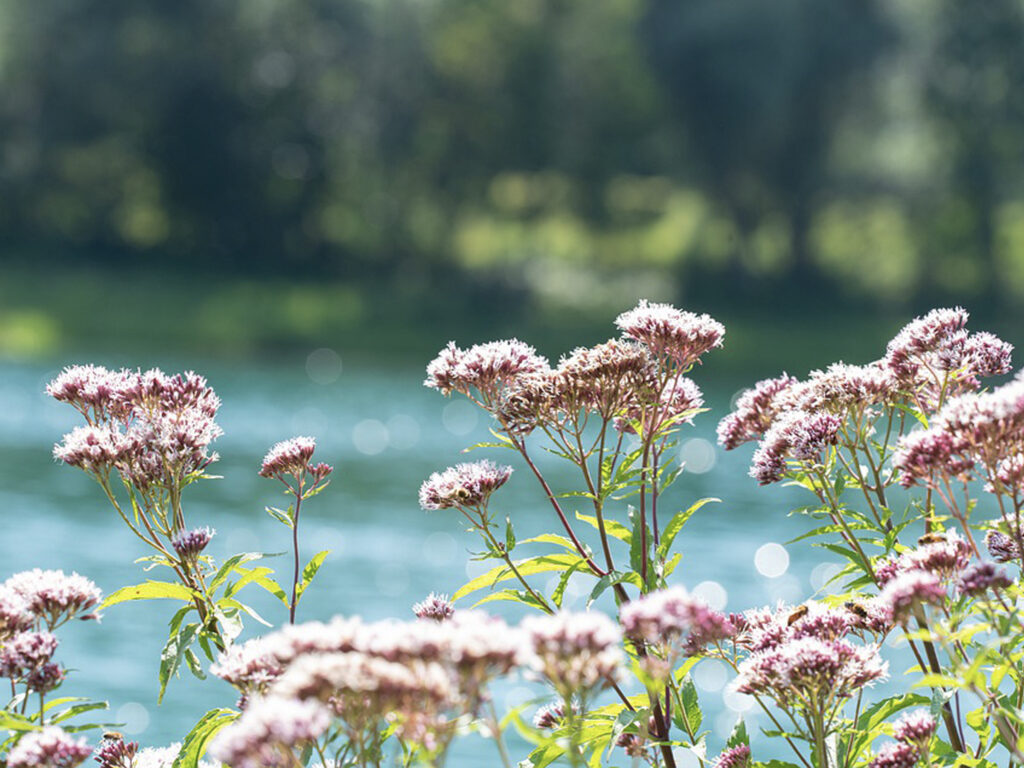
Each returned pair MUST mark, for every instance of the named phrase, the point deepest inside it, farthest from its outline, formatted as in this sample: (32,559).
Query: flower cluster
(153,429)
(190,544)
(733,757)
(909,590)
(50,747)
(576,652)
(26,658)
(435,606)
(669,332)
(936,352)
(417,676)
(54,597)
(755,412)
(483,369)
(971,429)
(670,618)
(809,668)
(293,458)
(913,732)
(800,436)
(465,486)
(267,731)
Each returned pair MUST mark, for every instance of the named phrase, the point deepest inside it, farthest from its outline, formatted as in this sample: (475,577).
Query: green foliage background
(506,159)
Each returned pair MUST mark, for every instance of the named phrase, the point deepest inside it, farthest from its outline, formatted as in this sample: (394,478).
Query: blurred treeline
(569,151)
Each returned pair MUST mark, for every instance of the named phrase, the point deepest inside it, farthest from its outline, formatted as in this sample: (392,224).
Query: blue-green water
(384,433)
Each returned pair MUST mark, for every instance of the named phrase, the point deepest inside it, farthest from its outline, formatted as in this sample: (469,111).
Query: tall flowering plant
(915,481)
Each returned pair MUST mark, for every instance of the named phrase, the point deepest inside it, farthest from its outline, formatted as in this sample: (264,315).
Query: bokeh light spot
(370,437)
(459,417)
(323,366)
(698,455)
(712,593)
(134,716)
(771,560)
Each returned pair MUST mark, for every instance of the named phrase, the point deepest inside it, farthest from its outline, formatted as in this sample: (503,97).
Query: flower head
(1002,548)
(487,368)
(915,728)
(981,577)
(576,652)
(910,589)
(190,544)
(669,615)
(50,747)
(667,331)
(435,606)
(896,754)
(733,757)
(117,753)
(292,457)
(464,485)
(256,738)
(54,596)
(754,413)
(797,435)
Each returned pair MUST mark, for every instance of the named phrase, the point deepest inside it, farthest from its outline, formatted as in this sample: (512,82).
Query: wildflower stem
(595,492)
(486,530)
(295,550)
(498,738)
(594,567)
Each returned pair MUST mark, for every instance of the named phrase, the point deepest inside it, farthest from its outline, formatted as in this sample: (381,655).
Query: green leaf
(559,594)
(194,746)
(282,516)
(551,538)
(172,654)
(675,525)
(739,734)
(611,527)
(513,596)
(309,572)
(231,564)
(637,555)
(77,709)
(510,535)
(258,576)
(690,718)
(611,579)
(12,721)
(150,590)
(539,564)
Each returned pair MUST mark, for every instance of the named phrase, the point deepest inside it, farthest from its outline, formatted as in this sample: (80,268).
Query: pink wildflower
(733,757)
(487,368)
(915,728)
(667,331)
(292,457)
(435,607)
(54,596)
(896,755)
(1002,548)
(576,652)
(50,747)
(256,739)
(755,411)
(797,435)
(190,544)
(464,485)
(980,578)
(666,616)
(910,589)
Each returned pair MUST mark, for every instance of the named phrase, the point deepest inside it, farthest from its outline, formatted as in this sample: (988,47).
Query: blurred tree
(975,88)
(759,89)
